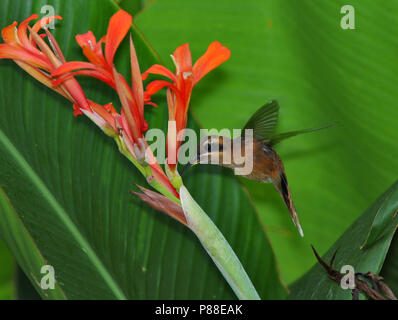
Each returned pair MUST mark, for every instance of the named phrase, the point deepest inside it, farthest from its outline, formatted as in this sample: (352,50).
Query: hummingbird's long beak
(191,163)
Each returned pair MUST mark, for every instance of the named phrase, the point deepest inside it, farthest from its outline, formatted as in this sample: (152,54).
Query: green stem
(145,170)
(218,248)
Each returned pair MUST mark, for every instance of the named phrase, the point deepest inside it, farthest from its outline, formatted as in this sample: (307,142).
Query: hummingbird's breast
(266,162)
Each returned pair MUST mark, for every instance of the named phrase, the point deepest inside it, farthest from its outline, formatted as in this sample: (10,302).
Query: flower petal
(215,55)
(110,108)
(86,39)
(76,110)
(70,85)
(162,203)
(72,66)
(43,22)
(96,57)
(151,104)
(157,85)
(55,46)
(103,112)
(16,53)
(91,48)
(90,73)
(161,177)
(182,58)
(89,69)
(76,91)
(160,70)
(9,34)
(45,49)
(119,25)
(22,32)
(136,80)
(122,121)
(128,105)
(42,77)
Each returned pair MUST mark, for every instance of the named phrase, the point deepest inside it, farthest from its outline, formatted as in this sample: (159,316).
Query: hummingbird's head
(211,150)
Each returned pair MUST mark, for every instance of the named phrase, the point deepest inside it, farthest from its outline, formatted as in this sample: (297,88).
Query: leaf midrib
(62,215)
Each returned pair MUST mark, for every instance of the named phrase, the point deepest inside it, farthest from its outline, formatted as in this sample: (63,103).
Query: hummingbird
(267,164)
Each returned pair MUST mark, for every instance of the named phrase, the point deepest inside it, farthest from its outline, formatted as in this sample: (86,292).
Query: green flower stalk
(217,247)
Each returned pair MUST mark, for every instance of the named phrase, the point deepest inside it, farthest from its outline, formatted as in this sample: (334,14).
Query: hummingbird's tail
(282,186)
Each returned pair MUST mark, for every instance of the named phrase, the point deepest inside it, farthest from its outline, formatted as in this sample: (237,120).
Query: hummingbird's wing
(275,139)
(263,122)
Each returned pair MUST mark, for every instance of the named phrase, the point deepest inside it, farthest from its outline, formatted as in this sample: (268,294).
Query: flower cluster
(45,62)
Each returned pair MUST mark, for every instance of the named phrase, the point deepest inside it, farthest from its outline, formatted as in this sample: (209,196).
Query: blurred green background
(295,52)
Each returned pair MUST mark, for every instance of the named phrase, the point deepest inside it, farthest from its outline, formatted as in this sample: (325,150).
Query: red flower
(180,89)
(33,55)
(102,67)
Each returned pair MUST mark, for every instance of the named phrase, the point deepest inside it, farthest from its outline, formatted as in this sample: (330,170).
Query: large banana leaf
(133,7)
(67,187)
(363,246)
(296,52)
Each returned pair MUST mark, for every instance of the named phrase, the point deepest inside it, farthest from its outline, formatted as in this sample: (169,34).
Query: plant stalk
(218,248)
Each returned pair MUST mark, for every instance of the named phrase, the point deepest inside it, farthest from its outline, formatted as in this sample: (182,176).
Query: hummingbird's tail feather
(282,186)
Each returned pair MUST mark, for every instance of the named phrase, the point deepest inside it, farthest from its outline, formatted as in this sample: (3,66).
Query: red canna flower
(33,54)
(36,57)
(179,90)
(102,67)
(130,122)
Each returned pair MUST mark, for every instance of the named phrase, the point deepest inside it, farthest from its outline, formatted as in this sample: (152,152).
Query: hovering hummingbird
(267,165)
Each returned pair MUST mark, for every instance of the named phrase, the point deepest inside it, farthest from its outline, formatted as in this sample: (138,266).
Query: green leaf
(70,188)
(132,6)
(25,289)
(24,248)
(385,216)
(297,53)
(316,284)
(390,267)
(6,273)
